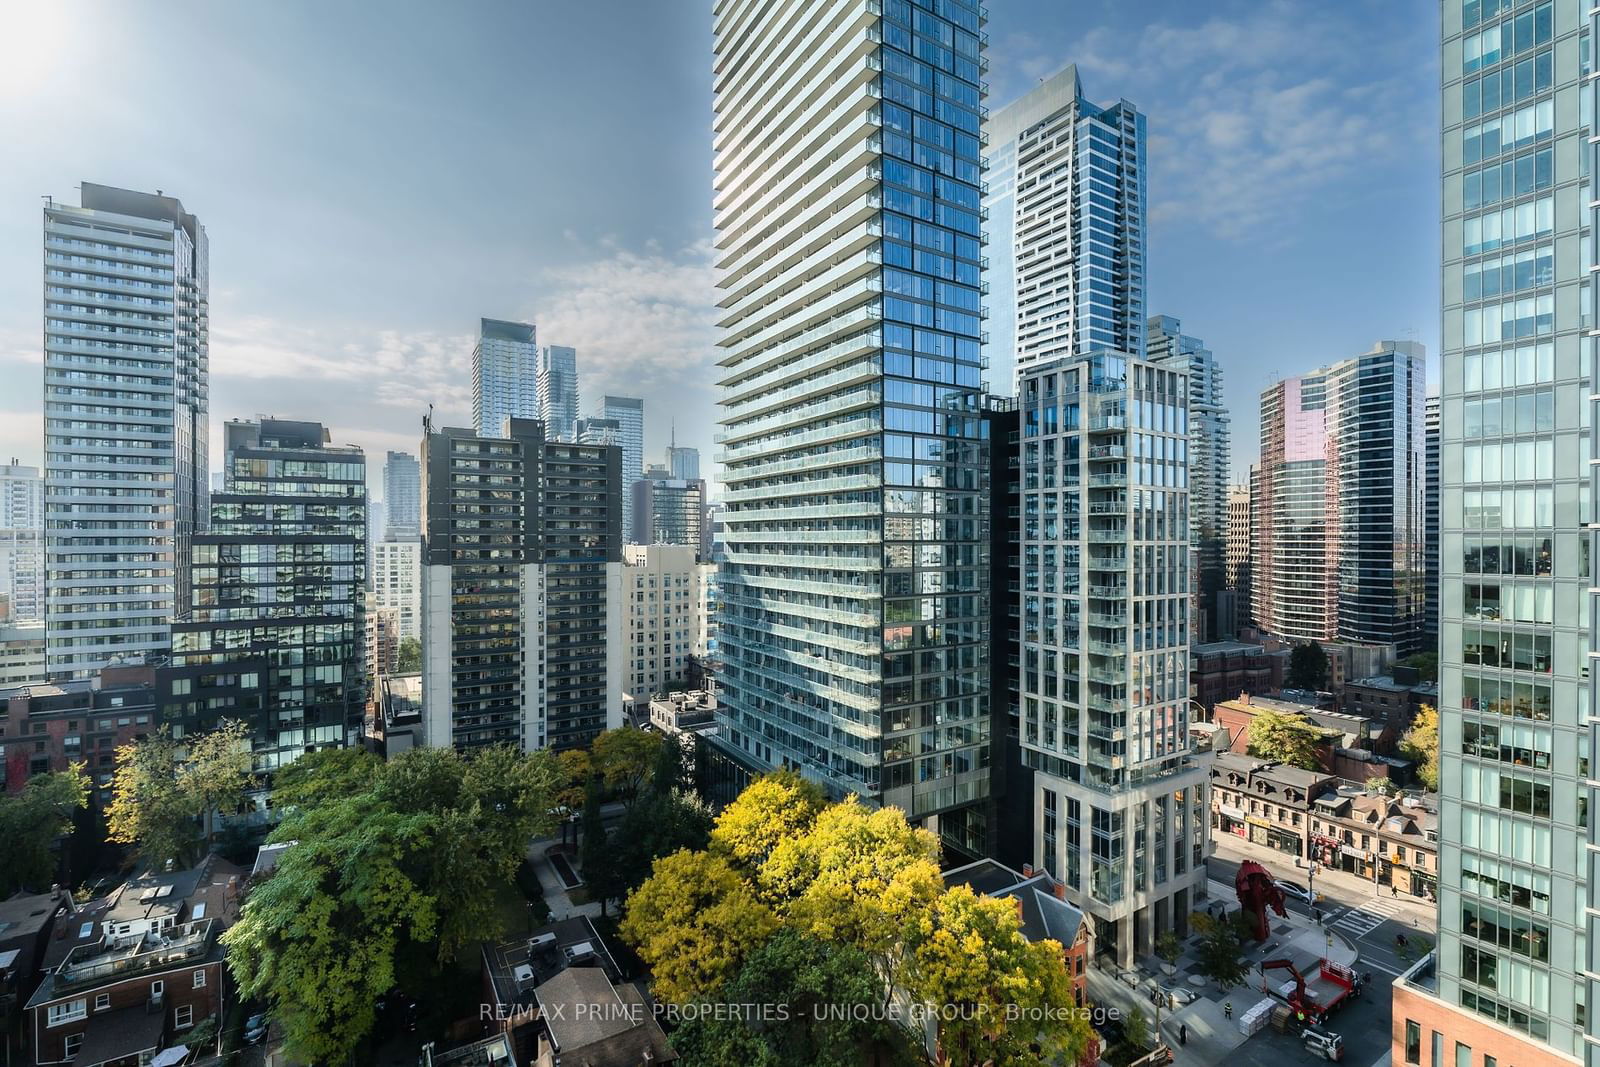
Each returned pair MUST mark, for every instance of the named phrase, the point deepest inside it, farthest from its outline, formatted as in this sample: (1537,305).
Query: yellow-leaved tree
(1421,745)
(1004,1000)
(774,808)
(694,921)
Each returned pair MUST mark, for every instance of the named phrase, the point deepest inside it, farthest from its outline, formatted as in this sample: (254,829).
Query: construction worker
(1227,1010)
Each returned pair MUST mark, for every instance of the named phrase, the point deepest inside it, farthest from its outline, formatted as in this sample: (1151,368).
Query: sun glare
(31,35)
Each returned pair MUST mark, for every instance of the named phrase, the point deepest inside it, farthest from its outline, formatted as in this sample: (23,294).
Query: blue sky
(376,177)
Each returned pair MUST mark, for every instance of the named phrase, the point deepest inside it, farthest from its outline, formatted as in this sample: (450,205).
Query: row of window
(1510,368)
(1509,85)
(1489,646)
(1508,226)
(1511,37)
(1509,273)
(1508,461)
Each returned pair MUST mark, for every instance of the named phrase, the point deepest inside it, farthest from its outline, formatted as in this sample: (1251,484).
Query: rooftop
(1044,915)
(1280,775)
(113,959)
(23,916)
(515,968)
(1222,648)
(599,1024)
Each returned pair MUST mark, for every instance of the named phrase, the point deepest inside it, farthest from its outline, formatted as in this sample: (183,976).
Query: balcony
(108,961)
(1108,423)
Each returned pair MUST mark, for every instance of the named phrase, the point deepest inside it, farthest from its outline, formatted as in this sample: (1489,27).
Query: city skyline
(625,279)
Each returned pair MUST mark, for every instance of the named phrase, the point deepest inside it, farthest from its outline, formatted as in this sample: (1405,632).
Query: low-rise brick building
(1223,669)
(44,728)
(1386,840)
(1041,905)
(1265,803)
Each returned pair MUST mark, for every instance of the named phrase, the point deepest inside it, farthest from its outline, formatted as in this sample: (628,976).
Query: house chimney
(1061,890)
(1027,870)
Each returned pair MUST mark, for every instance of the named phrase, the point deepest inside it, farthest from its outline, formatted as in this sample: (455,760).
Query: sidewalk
(1339,887)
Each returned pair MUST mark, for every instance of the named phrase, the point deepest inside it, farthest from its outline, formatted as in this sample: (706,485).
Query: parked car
(255,1029)
(1295,890)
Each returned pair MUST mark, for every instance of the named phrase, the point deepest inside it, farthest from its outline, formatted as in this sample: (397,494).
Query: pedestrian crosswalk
(1363,920)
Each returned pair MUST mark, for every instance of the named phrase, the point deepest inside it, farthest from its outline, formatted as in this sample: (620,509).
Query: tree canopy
(1421,745)
(1308,667)
(408,657)
(695,921)
(30,822)
(844,882)
(416,860)
(163,788)
(624,758)
(1288,739)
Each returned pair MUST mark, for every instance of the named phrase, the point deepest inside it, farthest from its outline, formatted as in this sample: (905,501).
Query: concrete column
(1125,942)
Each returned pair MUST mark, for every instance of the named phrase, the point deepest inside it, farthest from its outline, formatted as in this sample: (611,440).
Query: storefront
(1325,850)
(1356,862)
(1284,841)
(1230,820)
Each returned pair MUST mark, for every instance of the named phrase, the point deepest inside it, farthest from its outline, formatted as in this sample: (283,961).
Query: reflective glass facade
(274,631)
(1515,497)
(849,246)
(505,375)
(126,397)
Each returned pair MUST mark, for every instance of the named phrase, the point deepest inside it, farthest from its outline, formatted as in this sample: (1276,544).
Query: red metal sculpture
(1257,892)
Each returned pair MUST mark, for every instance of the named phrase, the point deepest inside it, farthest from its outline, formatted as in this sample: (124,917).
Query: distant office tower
(668,511)
(664,619)
(505,375)
(275,632)
(1119,802)
(21,497)
(402,497)
(1209,461)
(522,562)
(22,542)
(126,290)
(1430,523)
(594,430)
(558,392)
(1236,564)
(851,422)
(1066,201)
(1339,518)
(397,584)
(628,411)
(683,463)
(1513,977)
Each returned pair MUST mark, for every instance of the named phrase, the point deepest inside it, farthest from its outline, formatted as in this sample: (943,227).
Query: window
(57,1014)
(1463,1055)
(199,979)
(183,1016)
(102,1001)
(1438,1049)
(157,988)
(71,1043)
(1413,1042)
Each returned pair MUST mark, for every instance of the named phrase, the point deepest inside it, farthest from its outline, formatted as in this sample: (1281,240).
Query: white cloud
(1255,114)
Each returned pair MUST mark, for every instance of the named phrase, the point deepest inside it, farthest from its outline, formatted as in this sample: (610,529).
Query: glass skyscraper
(273,634)
(505,375)
(402,497)
(628,411)
(126,381)
(849,246)
(1209,460)
(558,392)
(1066,196)
(1513,977)
(1339,534)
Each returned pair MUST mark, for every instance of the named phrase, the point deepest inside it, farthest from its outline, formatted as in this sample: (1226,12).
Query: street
(1371,923)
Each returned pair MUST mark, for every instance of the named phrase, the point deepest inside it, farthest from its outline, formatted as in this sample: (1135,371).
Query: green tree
(623,758)
(1308,667)
(328,774)
(1220,956)
(774,808)
(1136,1028)
(1421,745)
(695,921)
(1169,948)
(1380,784)
(600,875)
(1288,739)
(657,825)
(162,788)
(319,939)
(1426,665)
(31,820)
(1011,997)
(408,658)
(807,976)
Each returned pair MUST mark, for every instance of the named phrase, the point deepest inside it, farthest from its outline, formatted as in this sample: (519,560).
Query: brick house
(1042,907)
(131,974)
(44,728)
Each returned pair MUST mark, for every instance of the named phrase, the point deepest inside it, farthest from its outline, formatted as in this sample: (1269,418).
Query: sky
(374,178)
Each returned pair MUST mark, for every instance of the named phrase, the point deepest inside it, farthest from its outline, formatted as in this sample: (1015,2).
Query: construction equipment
(1329,988)
(1324,1043)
